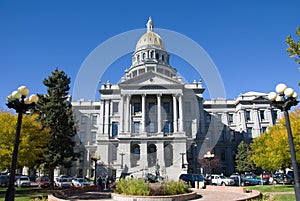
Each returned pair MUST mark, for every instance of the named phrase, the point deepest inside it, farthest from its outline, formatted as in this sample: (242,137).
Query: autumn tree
(56,114)
(33,139)
(243,158)
(271,150)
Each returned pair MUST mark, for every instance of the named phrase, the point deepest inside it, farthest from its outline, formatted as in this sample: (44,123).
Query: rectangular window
(82,137)
(232,135)
(83,119)
(115,107)
(248,116)
(223,155)
(188,128)
(137,107)
(230,118)
(94,119)
(167,128)
(249,133)
(263,129)
(166,107)
(151,127)
(136,127)
(219,116)
(151,105)
(207,118)
(93,137)
(262,115)
(114,129)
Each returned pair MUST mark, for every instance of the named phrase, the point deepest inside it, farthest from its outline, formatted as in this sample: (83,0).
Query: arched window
(168,154)
(138,58)
(152,155)
(157,56)
(162,57)
(135,154)
(151,54)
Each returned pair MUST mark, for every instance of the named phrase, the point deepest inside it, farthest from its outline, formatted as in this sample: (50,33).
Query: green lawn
(278,188)
(20,199)
(21,194)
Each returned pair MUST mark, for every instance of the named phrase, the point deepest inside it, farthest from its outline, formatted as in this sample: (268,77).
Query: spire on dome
(150,25)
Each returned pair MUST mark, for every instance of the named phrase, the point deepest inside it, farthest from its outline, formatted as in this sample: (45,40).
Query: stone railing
(181,197)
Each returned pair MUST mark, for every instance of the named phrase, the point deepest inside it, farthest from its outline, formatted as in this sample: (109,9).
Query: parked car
(252,179)
(43,182)
(238,180)
(80,182)
(221,180)
(62,182)
(191,178)
(4,180)
(23,181)
(281,178)
(266,175)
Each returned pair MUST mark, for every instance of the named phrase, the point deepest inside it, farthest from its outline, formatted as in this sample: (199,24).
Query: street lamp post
(284,99)
(209,156)
(95,159)
(18,101)
(122,155)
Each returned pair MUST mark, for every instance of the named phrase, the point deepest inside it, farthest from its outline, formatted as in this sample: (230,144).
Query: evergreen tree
(243,158)
(56,114)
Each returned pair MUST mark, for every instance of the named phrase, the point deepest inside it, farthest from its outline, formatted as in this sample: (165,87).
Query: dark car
(4,180)
(252,179)
(281,178)
(43,182)
(191,178)
(238,180)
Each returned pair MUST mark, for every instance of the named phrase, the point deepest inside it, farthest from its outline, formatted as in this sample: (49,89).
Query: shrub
(132,187)
(141,188)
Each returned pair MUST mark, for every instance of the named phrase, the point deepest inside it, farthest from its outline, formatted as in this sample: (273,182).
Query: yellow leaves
(271,150)
(32,138)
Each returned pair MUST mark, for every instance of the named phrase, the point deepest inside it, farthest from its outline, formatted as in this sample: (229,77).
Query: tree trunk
(51,177)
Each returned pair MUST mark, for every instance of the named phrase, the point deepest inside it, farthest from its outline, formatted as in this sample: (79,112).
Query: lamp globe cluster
(21,93)
(282,92)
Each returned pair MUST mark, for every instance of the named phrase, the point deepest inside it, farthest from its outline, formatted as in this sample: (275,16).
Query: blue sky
(244,38)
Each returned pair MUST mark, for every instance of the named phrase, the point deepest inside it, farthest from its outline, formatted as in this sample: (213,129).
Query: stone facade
(152,120)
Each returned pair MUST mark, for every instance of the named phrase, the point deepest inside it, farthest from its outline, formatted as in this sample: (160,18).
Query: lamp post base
(10,193)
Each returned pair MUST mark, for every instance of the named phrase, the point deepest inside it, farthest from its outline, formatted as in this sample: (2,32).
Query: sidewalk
(202,195)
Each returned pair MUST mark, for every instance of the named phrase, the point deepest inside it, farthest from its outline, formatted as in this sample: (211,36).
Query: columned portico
(159,113)
(175,114)
(143,113)
(128,119)
(180,113)
(122,114)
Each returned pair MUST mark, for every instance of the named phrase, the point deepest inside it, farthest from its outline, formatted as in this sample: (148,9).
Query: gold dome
(150,38)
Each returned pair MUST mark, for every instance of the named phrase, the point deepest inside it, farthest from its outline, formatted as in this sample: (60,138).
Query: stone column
(180,113)
(161,154)
(106,117)
(128,114)
(102,109)
(175,129)
(159,113)
(143,113)
(256,126)
(122,114)
(143,155)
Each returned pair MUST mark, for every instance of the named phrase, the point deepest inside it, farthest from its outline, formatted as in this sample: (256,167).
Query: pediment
(151,78)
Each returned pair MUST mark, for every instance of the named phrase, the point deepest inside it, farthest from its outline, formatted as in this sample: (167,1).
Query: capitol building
(152,118)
